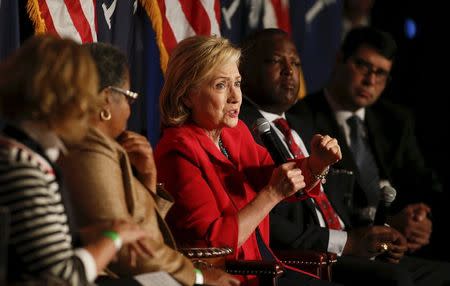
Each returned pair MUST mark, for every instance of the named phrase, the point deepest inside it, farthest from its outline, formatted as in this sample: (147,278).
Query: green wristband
(199,280)
(115,237)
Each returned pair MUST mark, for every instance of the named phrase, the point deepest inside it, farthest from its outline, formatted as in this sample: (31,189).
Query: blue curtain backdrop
(316,31)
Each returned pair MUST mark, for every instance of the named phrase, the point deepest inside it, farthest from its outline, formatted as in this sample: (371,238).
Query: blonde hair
(191,64)
(50,80)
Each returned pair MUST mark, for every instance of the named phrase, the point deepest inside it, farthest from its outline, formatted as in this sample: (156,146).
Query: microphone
(388,194)
(273,143)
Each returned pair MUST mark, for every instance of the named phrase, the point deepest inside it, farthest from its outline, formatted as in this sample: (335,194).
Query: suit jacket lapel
(211,149)
(249,114)
(312,209)
(327,124)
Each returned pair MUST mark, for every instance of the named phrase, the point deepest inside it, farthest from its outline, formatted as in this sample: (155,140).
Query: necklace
(223,149)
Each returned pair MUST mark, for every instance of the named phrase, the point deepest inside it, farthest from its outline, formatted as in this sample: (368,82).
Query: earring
(105,115)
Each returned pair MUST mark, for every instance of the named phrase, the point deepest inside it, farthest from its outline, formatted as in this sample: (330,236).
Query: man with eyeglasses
(377,142)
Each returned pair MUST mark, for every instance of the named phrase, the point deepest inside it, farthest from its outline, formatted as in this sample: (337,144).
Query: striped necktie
(322,202)
(368,176)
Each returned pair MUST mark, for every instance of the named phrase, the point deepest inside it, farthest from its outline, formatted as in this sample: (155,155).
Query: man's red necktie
(321,200)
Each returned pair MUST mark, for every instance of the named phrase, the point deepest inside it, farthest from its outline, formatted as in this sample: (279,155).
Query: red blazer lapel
(231,179)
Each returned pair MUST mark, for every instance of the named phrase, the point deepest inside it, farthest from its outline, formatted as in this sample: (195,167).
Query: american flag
(172,20)
(73,19)
(175,20)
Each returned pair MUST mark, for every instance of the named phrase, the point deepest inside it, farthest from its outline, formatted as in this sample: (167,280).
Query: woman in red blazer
(224,184)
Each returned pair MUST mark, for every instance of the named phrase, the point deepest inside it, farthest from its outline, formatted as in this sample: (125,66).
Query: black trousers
(410,271)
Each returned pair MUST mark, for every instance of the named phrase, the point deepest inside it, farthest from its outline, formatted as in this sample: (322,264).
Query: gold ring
(384,247)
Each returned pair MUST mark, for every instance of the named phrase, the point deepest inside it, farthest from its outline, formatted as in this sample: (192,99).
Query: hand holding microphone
(324,149)
(273,143)
(287,179)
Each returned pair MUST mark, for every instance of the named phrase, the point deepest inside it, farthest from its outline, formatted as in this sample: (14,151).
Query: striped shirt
(40,243)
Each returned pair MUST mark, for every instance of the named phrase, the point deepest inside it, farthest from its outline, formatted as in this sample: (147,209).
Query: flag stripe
(177,21)
(45,14)
(168,36)
(185,18)
(89,12)
(269,17)
(79,20)
(75,19)
(217,11)
(209,6)
(62,20)
(281,9)
(196,15)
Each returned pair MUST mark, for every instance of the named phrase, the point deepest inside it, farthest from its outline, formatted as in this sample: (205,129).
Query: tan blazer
(99,178)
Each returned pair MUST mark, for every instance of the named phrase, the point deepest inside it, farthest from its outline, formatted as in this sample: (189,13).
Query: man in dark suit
(359,78)
(270,68)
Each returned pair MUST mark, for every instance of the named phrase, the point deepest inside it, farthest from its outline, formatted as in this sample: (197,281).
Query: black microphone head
(261,126)
(388,195)
(271,141)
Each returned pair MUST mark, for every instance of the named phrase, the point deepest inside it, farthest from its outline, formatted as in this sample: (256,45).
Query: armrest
(207,256)
(316,262)
(301,256)
(206,252)
(267,272)
(254,267)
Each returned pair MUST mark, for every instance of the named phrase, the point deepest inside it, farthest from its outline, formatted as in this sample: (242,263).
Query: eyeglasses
(365,68)
(129,95)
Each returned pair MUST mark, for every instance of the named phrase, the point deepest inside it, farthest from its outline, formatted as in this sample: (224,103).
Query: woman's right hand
(286,180)
(132,236)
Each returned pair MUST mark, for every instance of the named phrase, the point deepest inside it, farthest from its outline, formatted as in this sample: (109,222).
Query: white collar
(47,138)
(341,114)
